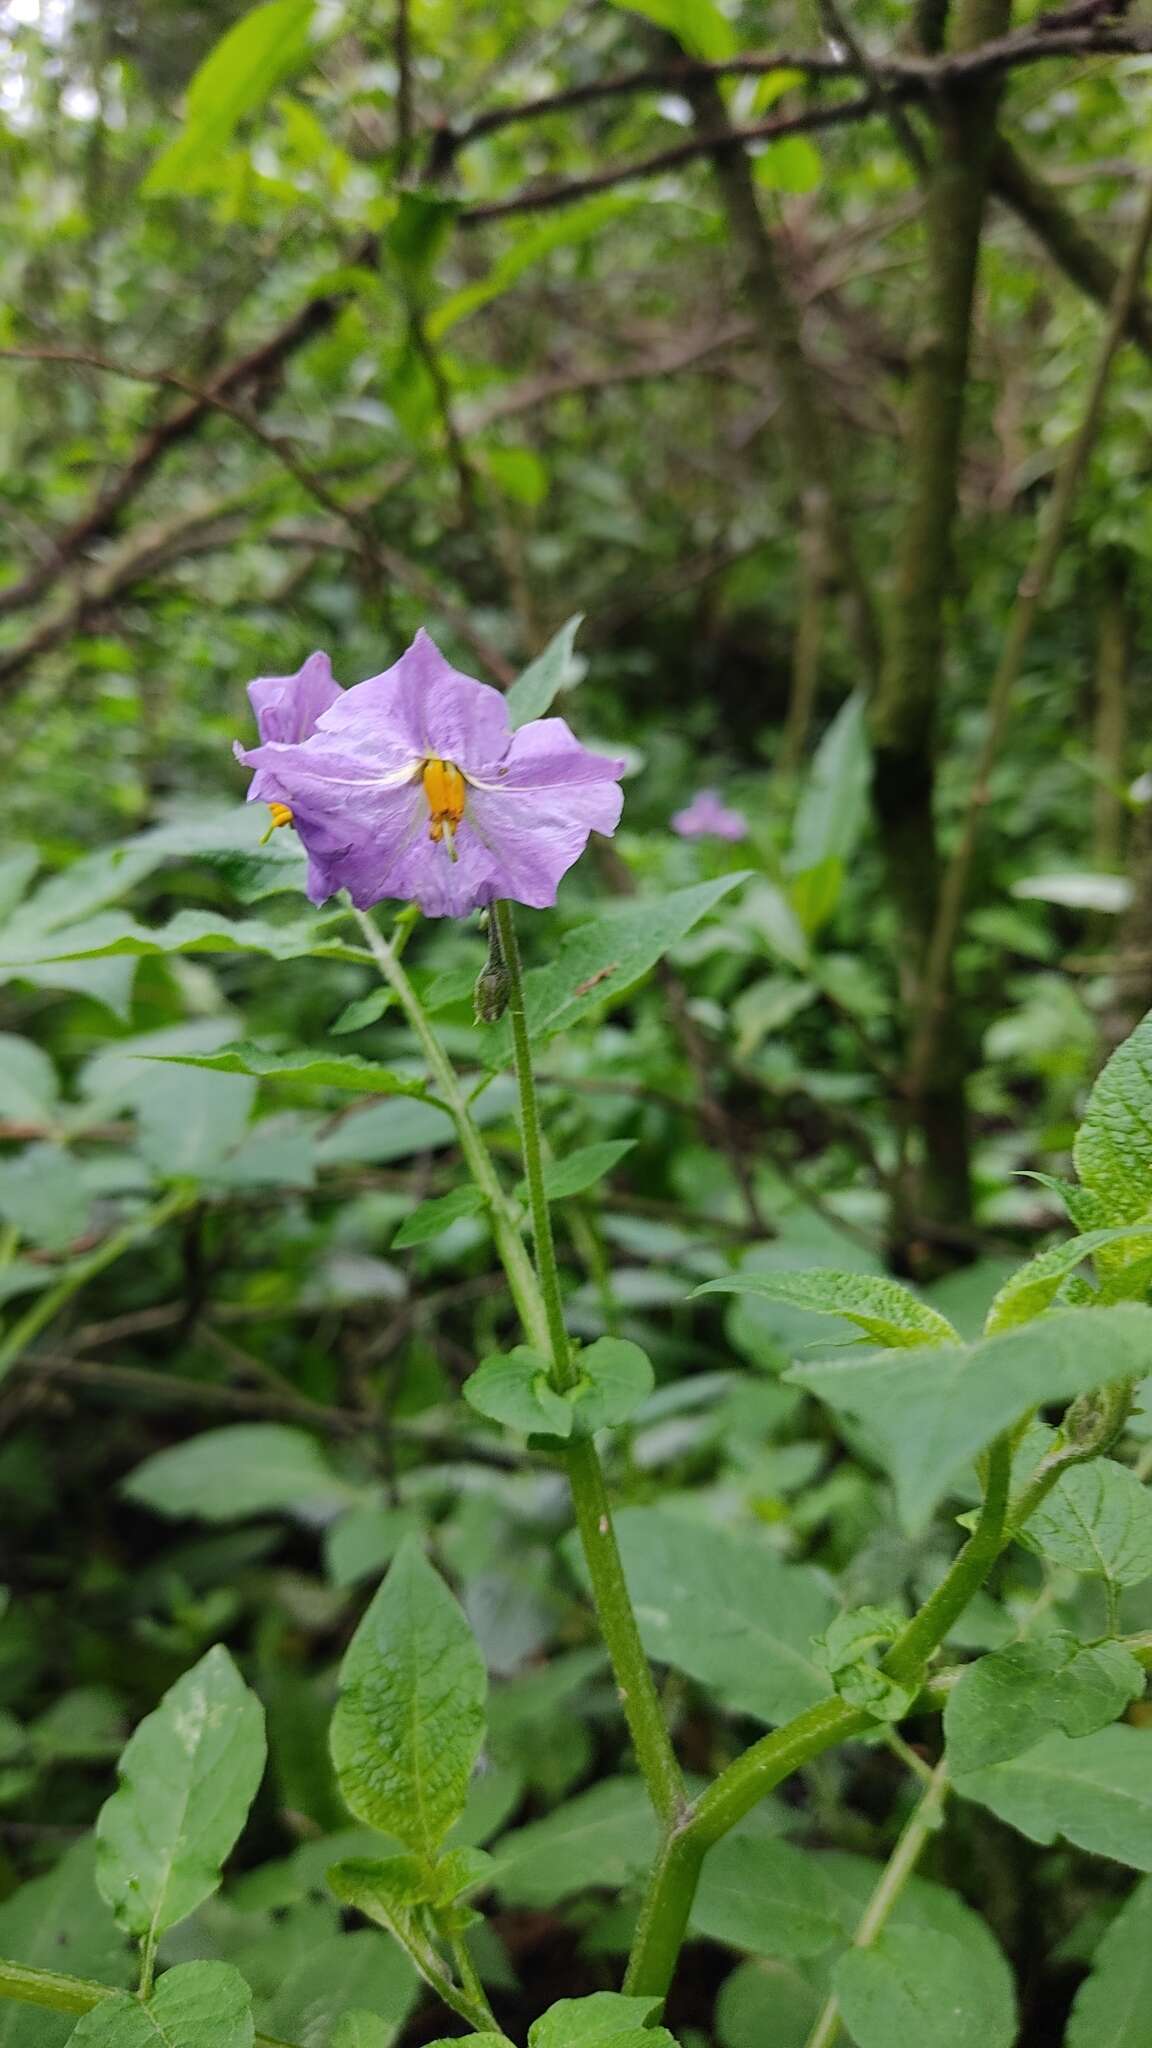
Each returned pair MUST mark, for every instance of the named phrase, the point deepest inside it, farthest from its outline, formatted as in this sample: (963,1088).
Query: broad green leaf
(598,2021)
(574,226)
(916,1985)
(534,691)
(1113,1148)
(195,2005)
(1095,1790)
(266,46)
(365,1010)
(358,1972)
(364,1540)
(1097,1519)
(410,1720)
(29,1090)
(358,2029)
(191,931)
(616,1377)
(932,1412)
(248,1468)
(53,1920)
(599,963)
(187,1778)
(581,1169)
(698,25)
(762,1895)
(1035,1287)
(514,1388)
(723,1608)
(793,164)
(1113,2007)
(1006,1703)
(44,1196)
(883,1309)
(470,2041)
(764,2001)
(603,1838)
(310,1069)
(432,1219)
(833,804)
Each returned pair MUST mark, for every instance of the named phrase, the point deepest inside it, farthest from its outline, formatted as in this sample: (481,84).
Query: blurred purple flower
(412,785)
(706,817)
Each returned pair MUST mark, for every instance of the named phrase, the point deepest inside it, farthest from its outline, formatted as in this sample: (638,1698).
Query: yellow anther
(281,814)
(444,789)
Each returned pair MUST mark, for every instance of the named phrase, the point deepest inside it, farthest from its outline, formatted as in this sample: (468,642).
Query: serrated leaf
(247,1468)
(1113,2007)
(52,1919)
(187,1778)
(616,1377)
(513,1387)
(1113,1147)
(410,1720)
(310,1069)
(194,2005)
(534,691)
(914,1984)
(1095,1790)
(932,1412)
(883,1309)
(1098,1520)
(724,1609)
(266,46)
(581,1169)
(1033,1289)
(1007,1702)
(599,963)
(762,1895)
(432,1219)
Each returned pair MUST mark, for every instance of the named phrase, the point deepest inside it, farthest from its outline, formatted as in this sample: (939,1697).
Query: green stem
(480,2014)
(47,1305)
(926,1631)
(922,1822)
(55,1993)
(540,1308)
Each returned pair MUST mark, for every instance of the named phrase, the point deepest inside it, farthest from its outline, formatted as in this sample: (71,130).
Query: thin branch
(1032,590)
(839,29)
(1088,265)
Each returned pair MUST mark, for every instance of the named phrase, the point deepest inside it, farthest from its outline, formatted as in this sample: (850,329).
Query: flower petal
(425,706)
(287,707)
(534,836)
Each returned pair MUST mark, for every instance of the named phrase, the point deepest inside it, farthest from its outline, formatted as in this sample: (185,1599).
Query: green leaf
(763,1895)
(698,25)
(765,2001)
(248,1468)
(605,2019)
(57,1918)
(932,1414)
(364,1540)
(842,1650)
(418,232)
(513,1387)
(191,931)
(603,1838)
(599,963)
(917,1985)
(615,1378)
(359,2029)
(240,73)
(310,1069)
(1113,2007)
(1098,1520)
(1006,1703)
(345,1973)
(365,1010)
(881,1308)
(793,164)
(1035,1287)
(581,1169)
(187,1778)
(1095,1790)
(535,690)
(724,1609)
(833,805)
(44,1197)
(29,1089)
(1113,1148)
(410,1720)
(195,2005)
(432,1219)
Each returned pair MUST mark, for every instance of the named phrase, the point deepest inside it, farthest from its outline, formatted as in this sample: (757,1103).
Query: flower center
(444,789)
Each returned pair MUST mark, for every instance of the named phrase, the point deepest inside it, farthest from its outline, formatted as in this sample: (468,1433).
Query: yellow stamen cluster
(280,815)
(444,789)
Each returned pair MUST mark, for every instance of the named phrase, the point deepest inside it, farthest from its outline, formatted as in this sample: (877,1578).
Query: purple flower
(707,818)
(412,785)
